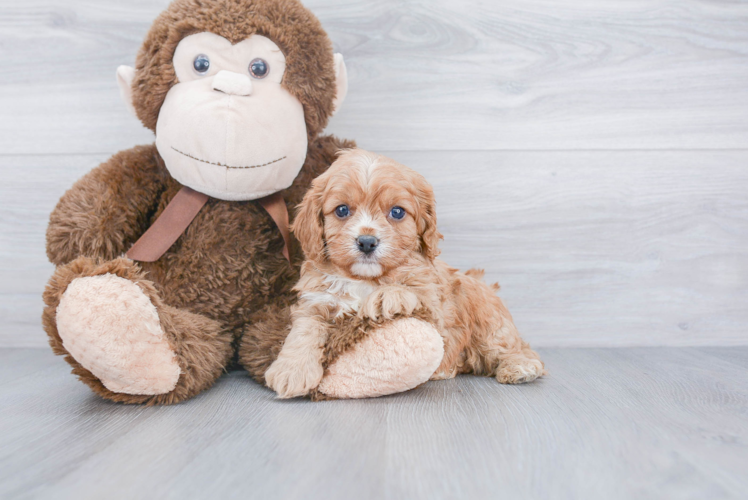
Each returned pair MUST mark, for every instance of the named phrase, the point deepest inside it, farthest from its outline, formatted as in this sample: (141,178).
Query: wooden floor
(607,423)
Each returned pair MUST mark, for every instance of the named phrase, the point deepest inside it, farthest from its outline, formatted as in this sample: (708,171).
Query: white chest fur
(346,294)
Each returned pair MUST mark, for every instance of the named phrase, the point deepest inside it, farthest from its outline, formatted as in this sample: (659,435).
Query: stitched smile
(226,166)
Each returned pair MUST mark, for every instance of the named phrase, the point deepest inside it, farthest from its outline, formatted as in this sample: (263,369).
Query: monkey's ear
(125,76)
(341,83)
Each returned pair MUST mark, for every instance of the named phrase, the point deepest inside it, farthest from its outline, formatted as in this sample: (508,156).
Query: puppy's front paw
(294,377)
(389,301)
(519,370)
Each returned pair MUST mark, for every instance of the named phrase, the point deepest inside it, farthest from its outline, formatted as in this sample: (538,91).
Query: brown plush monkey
(237,92)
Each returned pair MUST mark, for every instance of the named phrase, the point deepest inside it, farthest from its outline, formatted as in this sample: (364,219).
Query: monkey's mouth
(227,166)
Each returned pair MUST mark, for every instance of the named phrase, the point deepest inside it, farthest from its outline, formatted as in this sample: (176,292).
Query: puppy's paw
(519,370)
(389,301)
(294,377)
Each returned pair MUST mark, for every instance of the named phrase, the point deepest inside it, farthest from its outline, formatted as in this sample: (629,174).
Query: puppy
(368,229)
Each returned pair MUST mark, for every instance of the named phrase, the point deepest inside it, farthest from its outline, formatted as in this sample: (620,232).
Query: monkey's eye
(259,68)
(397,213)
(342,211)
(201,64)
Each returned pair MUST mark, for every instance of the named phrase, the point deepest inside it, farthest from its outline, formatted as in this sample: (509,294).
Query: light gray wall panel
(536,74)
(602,248)
(589,155)
(590,247)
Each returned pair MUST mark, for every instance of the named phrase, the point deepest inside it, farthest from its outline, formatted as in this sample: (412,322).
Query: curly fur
(402,277)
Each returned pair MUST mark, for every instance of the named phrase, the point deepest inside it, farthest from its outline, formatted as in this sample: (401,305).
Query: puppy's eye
(397,213)
(342,211)
(201,64)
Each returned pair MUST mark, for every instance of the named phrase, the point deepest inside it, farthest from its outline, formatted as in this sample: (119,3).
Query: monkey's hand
(108,209)
(389,301)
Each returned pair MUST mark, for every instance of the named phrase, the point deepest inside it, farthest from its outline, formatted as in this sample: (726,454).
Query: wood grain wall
(592,156)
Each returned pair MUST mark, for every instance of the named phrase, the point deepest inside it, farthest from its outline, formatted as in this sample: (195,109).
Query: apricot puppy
(368,230)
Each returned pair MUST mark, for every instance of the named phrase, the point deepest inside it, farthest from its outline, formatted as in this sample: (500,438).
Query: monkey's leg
(395,357)
(392,358)
(123,341)
(264,335)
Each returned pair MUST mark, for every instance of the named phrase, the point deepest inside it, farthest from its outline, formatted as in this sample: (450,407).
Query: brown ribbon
(181,211)
(275,205)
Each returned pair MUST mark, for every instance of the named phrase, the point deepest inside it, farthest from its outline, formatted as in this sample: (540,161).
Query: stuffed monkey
(170,256)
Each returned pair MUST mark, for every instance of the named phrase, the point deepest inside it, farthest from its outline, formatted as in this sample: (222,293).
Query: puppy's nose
(367,244)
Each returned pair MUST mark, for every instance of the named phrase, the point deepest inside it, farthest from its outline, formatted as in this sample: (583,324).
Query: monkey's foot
(109,326)
(393,358)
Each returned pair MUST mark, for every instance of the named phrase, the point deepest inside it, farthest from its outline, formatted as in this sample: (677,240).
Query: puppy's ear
(427,229)
(308,226)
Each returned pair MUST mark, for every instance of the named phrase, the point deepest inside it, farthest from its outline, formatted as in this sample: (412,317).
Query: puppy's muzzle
(367,244)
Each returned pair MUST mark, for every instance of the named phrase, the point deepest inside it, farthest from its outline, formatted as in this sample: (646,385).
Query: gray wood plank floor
(607,423)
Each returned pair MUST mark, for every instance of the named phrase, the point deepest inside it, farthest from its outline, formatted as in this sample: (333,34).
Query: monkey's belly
(227,265)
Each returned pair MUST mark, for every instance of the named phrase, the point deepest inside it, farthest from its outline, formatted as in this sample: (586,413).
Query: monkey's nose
(367,244)
(232,83)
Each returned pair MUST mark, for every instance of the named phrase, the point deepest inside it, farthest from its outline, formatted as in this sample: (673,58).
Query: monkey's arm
(108,209)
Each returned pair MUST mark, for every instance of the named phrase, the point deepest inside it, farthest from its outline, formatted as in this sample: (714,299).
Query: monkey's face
(228,128)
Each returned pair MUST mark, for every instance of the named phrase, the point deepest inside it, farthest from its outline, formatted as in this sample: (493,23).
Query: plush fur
(225,282)
(228,265)
(202,345)
(395,357)
(267,331)
(112,328)
(402,276)
(309,63)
